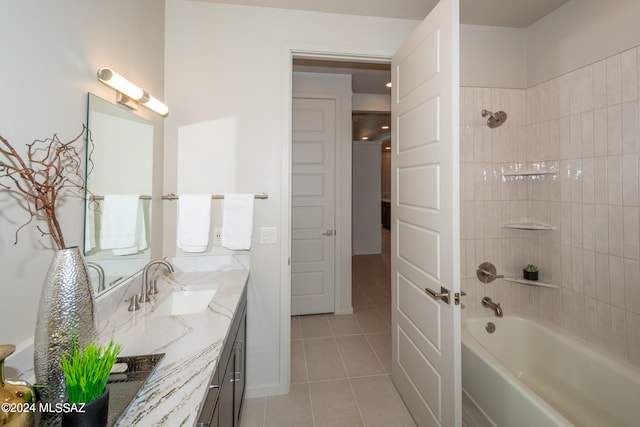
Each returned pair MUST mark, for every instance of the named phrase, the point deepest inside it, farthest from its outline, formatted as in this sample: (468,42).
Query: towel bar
(172,196)
(92,197)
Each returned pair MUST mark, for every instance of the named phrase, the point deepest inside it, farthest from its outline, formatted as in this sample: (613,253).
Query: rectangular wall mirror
(120,162)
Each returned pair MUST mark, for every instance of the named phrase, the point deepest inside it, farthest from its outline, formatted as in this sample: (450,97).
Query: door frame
(343,191)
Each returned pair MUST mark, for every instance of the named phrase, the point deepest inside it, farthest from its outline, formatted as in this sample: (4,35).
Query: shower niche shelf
(530,282)
(527,226)
(528,173)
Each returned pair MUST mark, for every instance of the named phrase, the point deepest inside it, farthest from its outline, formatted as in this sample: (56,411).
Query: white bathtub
(527,374)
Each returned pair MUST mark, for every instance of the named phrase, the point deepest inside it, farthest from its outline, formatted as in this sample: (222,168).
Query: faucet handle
(133,303)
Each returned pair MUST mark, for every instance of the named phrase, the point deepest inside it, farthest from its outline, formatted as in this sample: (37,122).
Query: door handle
(329,233)
(442,295)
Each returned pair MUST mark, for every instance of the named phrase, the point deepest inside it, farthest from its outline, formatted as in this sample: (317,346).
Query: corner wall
(227,61)
(51,52)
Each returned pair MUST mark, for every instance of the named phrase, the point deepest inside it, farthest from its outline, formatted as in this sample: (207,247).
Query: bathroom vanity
(200,380)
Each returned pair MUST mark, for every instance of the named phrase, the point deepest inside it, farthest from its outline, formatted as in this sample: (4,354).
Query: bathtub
(527,374)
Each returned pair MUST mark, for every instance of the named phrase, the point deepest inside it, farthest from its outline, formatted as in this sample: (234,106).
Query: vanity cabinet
(223,403)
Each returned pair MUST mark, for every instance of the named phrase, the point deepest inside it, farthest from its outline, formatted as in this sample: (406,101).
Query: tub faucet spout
(487,302)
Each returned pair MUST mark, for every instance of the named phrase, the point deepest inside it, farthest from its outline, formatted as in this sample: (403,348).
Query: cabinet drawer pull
(212,386)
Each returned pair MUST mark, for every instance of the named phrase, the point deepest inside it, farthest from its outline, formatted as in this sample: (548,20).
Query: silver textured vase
(66,313)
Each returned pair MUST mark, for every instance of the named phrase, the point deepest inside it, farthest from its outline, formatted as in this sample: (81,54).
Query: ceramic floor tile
(253,411)
(298,363)
(359,300)
(334,405)
(344,324)
(323,359)
(358,357)
(381,344)
(372,321)
(379,402)
(385,312)
(314,326)
(378,296)
(290,410)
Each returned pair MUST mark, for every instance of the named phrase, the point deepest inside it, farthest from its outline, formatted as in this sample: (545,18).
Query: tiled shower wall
(585,127)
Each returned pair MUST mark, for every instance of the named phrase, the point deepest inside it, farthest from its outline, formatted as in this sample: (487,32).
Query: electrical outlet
(268,235)
(217,236)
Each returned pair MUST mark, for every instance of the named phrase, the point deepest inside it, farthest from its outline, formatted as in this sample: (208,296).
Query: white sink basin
(181,300)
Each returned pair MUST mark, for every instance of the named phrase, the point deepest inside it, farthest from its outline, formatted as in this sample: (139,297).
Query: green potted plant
(530,272)
(86,373)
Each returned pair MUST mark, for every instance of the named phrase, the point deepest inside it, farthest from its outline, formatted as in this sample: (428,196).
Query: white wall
(580,32)
(493,56)
(227,61)
(367,169)
(50,53)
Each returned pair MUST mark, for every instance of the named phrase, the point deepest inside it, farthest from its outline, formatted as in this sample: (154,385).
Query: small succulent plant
(530,268)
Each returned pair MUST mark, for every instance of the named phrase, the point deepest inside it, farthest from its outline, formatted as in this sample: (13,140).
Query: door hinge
(457,296)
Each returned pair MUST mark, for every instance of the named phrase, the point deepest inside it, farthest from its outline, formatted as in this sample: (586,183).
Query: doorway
(363,114)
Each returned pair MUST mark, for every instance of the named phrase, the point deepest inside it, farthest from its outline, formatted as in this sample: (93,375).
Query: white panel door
(425,215)
(313,206)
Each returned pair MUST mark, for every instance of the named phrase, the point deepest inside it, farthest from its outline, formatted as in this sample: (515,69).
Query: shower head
(495,119)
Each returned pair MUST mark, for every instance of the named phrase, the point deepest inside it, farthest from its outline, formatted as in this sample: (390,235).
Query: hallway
(341,365)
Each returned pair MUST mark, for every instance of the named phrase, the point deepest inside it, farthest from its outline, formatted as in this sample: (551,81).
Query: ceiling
(501,13)
(371,78)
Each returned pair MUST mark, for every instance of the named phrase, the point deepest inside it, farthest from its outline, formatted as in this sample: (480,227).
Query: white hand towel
(119,222)
(141,235)
(194,222)
(237,223)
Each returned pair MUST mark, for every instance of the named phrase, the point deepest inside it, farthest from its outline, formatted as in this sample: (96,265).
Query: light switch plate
(268,235)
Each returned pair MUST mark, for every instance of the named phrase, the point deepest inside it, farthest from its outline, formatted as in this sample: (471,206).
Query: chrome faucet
(487,302)
(146,290)
(100,271)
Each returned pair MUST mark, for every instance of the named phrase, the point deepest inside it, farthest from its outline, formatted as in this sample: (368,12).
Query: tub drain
(491,327)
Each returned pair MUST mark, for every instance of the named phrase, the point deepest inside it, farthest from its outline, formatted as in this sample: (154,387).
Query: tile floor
(340,365)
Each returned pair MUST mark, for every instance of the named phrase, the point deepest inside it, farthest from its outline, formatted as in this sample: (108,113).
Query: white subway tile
(586,88)
(616,281)
(630,127)
(616,236)
(600,132)
(589,273)
(631,229)
(588,180)
(564,95)
(591,320)
(602,277)
(629,75)
(576,225)
(587,134)
(605,330)
(588,226)
(614,129)
(600,183)
(575,92)
(630,180)
(599,84)
(614,85)
(614,180)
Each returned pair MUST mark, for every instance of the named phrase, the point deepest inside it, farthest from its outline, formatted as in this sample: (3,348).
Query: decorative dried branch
(51,166)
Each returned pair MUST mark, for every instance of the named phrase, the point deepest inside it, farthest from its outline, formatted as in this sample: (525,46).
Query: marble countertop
(192,344)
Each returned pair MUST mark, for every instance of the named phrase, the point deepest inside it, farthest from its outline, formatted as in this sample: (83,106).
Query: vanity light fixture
(131,94)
